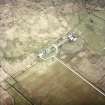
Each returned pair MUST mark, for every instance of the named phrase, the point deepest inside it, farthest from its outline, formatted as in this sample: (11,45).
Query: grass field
(28,26)
(56,85)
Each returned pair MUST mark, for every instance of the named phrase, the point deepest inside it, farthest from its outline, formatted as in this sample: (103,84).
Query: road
(76,73)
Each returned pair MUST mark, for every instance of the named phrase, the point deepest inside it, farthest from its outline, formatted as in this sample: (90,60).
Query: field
(26,27)
(53,84)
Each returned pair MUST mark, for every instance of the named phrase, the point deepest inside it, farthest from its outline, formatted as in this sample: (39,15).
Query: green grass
(93,33)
